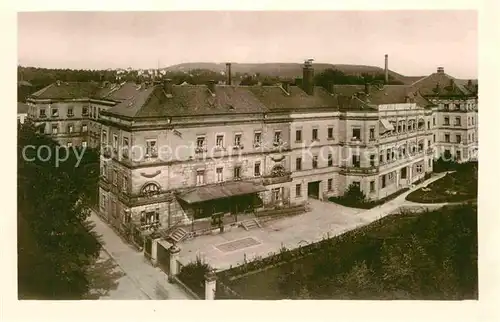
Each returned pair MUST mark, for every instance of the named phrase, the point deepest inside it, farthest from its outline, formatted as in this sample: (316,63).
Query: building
(22,112)
(69,111)
(175,154)
(456,118)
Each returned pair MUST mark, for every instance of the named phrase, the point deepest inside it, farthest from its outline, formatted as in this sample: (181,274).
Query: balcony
(238,147)
(200,149)
(358,170)
(150,226)
(275,179)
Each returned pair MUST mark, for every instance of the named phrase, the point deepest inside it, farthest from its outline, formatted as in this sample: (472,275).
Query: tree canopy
(56,244)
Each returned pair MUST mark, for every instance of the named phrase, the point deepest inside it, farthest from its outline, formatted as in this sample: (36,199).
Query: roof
(24,83)
(274,97)
(441,84)
(190,100)
(218,191)
(118,92)
(22,108)
(67,90)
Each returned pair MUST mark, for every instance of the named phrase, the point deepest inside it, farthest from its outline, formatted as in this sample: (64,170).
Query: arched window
(421,124)
(150,189)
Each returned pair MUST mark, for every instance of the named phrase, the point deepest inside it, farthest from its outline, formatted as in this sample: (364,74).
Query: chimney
(286,86)
(386,69)
(308,77)
(469,83)
(228,74)
(367,88)
(211,87)
(440,70)
(168,87)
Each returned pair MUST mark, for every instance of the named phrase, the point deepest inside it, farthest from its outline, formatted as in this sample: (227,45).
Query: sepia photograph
(248,155)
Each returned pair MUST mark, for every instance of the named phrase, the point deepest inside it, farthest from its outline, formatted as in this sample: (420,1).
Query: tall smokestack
(386,69)
(308,77)
(228,73)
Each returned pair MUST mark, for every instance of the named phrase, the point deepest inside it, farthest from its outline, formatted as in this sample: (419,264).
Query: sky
(417,42)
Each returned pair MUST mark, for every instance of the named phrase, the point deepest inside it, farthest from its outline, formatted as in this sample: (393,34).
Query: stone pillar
(320,191)
(174,257)
(210,285)
(154,251)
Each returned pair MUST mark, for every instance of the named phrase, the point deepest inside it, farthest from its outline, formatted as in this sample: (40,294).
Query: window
(151,149)
(200,177)
(298,135)
(315,162)
(459,155)
(399,127)
(256,169)
(419,168)
(420,146)
(84,128)
(42,113)
(85,111)
(237,140)
(220,176)
(314,134)
(447,154)
(104,170)
(298,190)
(457,106)
(126,216)
(372,133)
(330,184)
(237,172)
(458,121)
(55,112)
(54,128)
(404,126)
(356,134)
(219,141)
(125,183)
(150,217)
(330,133)
(372,186)
(446,120)
(69,144)
(70,128)
(104,137)
(472,118)
(150,189)
(355,161)
(388,155)
(372,160)
(381,158)
(115,177)
(298,164)
(433,121)
(428,125)
(393,155)
(125,147)
(84,144)
(459,138)
(277,137)
(446,138)
(330,160)
(277,194)
(70,112)
(257,139)
(434,138)
(115,142)
(200,143)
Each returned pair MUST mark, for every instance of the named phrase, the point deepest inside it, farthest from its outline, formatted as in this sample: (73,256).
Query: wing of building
(175,155)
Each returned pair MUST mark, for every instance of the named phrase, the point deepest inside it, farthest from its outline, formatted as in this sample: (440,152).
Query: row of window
(457,106)
(219,173)
(70,128)
(458,138)
(116,178)
(314,134)
(458,121)
(54,112)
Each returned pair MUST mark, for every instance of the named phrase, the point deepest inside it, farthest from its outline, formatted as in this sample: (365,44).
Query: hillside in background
(290,70)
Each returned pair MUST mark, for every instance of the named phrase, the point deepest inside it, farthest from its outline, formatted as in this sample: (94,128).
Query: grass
(366,204)
(454,187)
(430,255)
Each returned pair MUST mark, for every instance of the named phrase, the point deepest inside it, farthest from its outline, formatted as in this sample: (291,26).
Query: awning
(385,126)
(218,191)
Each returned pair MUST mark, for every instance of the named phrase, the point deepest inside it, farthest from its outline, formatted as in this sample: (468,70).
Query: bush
(193,276)
(354,197)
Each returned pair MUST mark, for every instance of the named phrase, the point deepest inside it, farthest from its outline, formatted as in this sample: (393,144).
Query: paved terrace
(325,219)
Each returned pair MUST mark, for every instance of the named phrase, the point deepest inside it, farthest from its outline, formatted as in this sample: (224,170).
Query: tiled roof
(65,90)
(274,97)
(22,108)
(118,92)
(441,84)
(190,100)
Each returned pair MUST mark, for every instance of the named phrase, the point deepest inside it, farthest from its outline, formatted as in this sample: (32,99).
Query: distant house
(22,112)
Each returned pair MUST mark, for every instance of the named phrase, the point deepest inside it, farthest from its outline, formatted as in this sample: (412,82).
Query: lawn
(454,187)
(427,256)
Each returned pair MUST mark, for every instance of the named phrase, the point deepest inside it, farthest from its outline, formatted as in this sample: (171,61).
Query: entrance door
(313,189)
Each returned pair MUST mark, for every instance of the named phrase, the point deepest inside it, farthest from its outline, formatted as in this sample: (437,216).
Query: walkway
(151,281)
(326,219)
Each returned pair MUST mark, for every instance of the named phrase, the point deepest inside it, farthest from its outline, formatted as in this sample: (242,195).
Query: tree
(354,195)
(56,244)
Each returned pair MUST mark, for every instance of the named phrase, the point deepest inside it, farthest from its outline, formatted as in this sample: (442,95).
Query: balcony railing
(274,179)
(351,169)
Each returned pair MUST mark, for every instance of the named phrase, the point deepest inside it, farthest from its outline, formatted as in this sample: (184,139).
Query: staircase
(177,235)
(251,223)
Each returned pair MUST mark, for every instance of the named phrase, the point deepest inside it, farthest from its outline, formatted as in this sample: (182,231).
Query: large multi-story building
(178,153)
(173,154)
